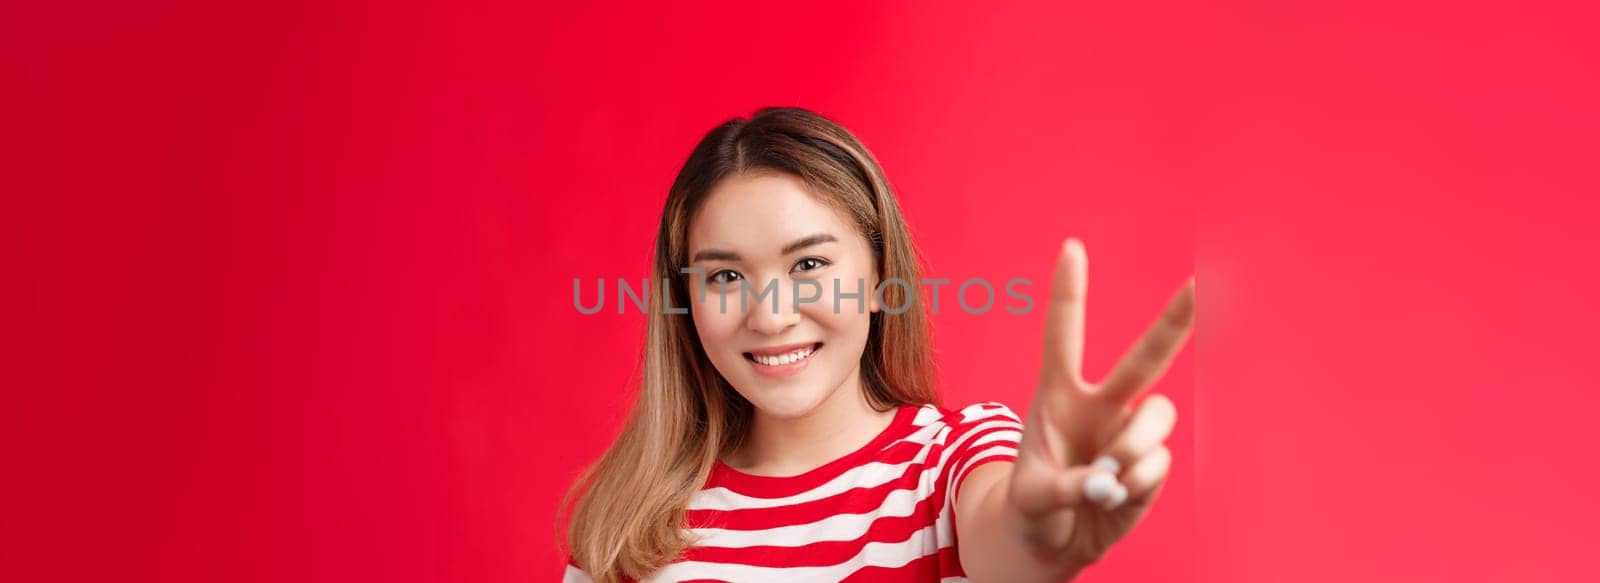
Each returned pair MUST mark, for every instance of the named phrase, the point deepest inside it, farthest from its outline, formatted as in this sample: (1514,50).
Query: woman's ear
(872,296)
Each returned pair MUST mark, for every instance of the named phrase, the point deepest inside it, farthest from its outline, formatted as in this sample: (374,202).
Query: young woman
(777,439)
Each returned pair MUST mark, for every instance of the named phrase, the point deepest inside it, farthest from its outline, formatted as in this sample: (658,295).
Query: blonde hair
(630,504)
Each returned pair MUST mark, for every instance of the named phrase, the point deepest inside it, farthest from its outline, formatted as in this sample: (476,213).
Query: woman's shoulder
(968,415)
(974,435)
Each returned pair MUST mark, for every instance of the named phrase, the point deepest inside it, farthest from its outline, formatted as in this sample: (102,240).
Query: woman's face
(763,234)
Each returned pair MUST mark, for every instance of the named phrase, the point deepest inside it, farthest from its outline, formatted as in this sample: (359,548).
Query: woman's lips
(784,361)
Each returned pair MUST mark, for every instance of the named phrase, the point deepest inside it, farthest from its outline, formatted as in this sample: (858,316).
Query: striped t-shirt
(882,513)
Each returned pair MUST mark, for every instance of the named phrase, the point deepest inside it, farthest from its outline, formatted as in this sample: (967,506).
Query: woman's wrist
(1046,538)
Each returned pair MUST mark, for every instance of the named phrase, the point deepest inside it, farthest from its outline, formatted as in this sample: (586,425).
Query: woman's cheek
(714,327)
(850,301)
(843,317)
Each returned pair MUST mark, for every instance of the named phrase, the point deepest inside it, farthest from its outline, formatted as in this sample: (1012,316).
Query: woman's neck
(841,424)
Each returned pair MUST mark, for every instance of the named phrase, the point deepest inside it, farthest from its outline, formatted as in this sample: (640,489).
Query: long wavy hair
(628,519)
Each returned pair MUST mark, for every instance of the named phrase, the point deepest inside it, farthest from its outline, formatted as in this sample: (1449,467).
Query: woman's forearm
(993,548)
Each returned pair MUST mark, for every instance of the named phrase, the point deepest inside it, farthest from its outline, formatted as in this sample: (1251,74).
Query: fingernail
(1100,487)
(1119,494)
(1108,464)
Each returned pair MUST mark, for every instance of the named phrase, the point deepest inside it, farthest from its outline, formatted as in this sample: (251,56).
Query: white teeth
(784,359)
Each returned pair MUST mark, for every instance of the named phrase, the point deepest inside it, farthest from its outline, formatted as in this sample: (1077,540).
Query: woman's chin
(787,402)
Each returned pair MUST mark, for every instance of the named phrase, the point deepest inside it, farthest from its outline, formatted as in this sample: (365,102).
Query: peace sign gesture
(1089,466)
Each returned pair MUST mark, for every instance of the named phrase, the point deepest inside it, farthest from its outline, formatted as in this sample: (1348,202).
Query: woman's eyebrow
(714,255)
(816,239)
(720,255)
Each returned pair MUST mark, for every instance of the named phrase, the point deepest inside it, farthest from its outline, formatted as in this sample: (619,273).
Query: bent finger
(1150,425)
(1148,473)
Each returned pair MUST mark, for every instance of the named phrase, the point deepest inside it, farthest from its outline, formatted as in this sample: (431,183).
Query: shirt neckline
(723,473)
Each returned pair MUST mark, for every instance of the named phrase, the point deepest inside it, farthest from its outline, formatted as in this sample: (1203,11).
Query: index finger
(1063,321)
(1150,356)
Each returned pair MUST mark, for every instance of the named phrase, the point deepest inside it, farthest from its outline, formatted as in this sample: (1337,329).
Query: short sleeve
(980,433)
(573,574)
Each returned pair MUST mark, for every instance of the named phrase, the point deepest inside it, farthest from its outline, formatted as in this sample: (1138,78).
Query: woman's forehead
(760,213)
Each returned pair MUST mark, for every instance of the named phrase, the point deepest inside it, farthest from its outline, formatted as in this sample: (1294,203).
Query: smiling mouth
(785,359)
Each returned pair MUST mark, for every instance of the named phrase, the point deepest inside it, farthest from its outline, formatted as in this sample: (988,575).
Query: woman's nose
(772,315)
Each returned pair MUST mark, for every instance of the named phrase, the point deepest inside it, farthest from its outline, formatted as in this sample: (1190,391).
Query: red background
(293,280)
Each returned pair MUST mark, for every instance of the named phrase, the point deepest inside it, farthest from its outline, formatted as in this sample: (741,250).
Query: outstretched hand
(1090,465)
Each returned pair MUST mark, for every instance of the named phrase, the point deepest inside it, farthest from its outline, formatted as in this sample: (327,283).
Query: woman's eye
(809,264)
(724,276)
